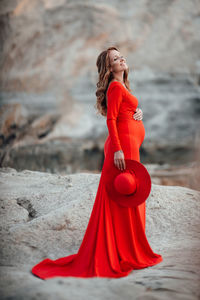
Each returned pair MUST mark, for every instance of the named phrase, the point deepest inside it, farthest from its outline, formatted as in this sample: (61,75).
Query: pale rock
(45,216)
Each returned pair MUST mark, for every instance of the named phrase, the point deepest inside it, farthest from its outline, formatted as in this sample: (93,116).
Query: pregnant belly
(131,129)
(131,135)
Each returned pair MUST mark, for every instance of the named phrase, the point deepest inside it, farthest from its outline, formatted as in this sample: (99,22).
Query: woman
(114,243)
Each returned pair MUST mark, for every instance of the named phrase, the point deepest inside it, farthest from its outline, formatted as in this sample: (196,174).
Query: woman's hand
(138,115)
(119,160)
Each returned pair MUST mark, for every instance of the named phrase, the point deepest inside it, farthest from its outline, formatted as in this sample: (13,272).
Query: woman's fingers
(120,164)
(119,160)
(138,115)
(117,163)
(123,164)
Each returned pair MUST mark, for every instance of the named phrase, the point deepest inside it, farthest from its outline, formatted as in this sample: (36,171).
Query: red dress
(114,242)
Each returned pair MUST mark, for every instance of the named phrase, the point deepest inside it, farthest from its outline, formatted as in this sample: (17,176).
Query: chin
(124,67)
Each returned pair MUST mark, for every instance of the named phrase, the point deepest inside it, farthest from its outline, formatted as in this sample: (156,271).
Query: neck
(119,77)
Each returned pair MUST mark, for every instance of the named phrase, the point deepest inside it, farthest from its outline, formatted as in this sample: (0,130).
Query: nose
(122,58)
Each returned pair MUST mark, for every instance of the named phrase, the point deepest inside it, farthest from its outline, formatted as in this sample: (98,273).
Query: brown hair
(105,76)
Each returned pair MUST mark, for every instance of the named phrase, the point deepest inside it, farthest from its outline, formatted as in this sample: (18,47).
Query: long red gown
(114,242)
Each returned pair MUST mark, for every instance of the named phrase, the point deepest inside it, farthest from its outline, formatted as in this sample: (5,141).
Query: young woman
(114,242)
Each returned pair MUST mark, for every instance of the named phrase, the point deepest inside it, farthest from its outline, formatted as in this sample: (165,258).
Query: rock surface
(45,215)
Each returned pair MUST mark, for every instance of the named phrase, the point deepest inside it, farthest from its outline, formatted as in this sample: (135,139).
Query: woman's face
(117,61)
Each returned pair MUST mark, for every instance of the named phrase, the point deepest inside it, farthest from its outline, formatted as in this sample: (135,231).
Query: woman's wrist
(119,151)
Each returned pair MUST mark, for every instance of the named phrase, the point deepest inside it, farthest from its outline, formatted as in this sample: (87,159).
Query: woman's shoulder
(113,84)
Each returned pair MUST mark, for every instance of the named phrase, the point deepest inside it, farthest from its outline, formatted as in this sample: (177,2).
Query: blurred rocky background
(48,76)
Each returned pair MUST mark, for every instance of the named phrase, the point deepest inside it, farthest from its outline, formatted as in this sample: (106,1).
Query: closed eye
(118,57)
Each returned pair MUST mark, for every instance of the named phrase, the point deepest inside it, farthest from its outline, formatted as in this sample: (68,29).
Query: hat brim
(143,183)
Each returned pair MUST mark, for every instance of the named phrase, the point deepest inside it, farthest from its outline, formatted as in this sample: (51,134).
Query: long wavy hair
(105,76)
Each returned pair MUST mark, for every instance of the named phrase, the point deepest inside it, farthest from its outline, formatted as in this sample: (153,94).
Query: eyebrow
(115,56)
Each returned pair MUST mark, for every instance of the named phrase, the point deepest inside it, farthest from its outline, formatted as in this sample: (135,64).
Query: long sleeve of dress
(114,99)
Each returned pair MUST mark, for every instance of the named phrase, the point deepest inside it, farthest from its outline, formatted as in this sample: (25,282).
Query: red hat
(129,187)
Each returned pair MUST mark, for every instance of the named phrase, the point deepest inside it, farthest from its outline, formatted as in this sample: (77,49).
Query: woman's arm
(113,104)
(114,99)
